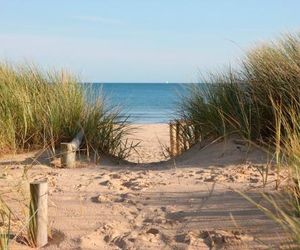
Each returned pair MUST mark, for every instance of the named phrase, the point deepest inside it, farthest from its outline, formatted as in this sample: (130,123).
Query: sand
(154,140)
(190,202)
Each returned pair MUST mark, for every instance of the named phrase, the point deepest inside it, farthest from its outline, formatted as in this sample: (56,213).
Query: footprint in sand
(215,239)
(139,239)
(111,184)
(137,185)
(115,176)
(105,198)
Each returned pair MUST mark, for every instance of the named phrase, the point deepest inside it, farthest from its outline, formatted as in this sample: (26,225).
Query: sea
(144,103)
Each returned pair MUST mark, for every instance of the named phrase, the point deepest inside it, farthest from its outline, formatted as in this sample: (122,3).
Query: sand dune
(184,203)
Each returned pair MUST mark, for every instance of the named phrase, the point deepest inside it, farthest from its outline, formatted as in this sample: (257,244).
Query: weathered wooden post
(177,138)
(184,134)
(171,127)
(192,136)
(38,213)
(68,155)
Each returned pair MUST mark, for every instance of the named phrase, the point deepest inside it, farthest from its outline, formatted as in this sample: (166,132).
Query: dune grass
(289,215)
(5,217)
(41,109)
(259,101)
(241,101)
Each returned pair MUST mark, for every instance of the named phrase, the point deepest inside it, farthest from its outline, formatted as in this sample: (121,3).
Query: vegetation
(288,214)
(41,109)
(242,101)
(260,101)
(5,215)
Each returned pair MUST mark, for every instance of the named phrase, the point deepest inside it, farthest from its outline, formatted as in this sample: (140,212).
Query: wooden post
(38,225)
(171,127)
(68,155)
(181,137)
(177,138)
(184,134)
(192,136)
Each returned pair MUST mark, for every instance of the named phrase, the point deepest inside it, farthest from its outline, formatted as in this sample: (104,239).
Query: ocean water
(143,102)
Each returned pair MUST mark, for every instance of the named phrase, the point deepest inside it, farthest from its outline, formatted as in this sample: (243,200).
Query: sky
(140,40)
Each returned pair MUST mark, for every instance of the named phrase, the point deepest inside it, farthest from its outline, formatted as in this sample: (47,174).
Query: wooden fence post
(68,155)
(171,127)
(38,212)
(184,134)
(177,138)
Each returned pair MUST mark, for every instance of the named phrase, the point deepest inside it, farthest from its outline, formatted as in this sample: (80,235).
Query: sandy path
(154,138)
(188,203)
(102,208)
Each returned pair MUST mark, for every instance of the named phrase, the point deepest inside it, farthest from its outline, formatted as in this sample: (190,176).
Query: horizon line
(104,82)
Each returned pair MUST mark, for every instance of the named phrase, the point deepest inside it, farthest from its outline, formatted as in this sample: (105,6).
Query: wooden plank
(77,140)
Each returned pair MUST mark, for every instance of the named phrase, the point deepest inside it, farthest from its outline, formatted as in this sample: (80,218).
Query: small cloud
(97,19)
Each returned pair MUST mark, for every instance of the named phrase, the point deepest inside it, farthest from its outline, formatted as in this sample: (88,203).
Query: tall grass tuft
(289,216)
(260,101)
(242,100)
(41,109)
(219,109)
(5,219)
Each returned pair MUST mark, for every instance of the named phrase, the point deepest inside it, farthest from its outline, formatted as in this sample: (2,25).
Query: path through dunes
(156,206)
(154,139)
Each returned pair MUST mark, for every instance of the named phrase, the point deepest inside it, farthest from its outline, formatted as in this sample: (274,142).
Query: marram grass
(5,219)
(42,109)
(242,100)
(260,101)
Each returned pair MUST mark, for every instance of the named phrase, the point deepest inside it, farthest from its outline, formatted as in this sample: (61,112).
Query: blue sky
(140,40)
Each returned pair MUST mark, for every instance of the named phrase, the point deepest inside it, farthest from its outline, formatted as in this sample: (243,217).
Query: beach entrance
(160,142)
(154,143)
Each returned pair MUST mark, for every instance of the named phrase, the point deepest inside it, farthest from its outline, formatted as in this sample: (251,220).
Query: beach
(189,202)
(148,125)
(154,141)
